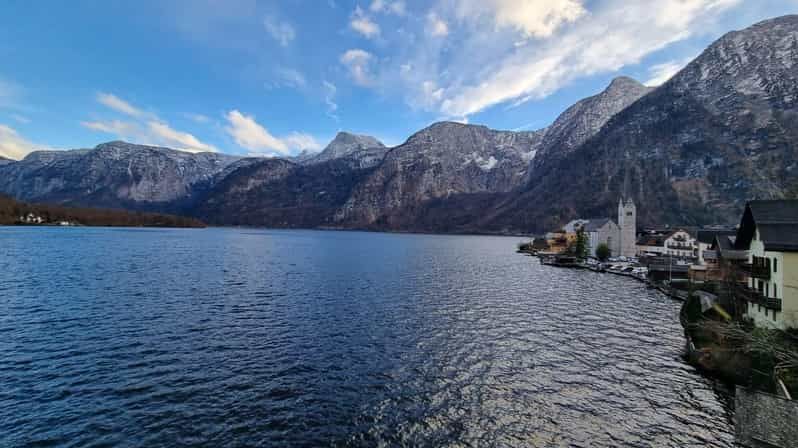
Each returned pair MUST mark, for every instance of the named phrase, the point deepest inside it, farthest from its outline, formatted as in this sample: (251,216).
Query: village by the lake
(739,288)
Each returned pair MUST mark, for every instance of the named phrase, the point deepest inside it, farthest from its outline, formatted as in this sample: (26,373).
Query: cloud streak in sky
(14,146)
(481,53)
(252,136)
(144,127)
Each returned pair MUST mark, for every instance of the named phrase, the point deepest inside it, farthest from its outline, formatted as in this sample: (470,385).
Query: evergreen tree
(603,251)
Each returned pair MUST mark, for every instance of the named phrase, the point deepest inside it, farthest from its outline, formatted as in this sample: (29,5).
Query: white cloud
(358,62)
(532,18)
(290,77)
(165,135)
(281,31)
(329,99)
(377,6)
(146,128)
(124,129)
(250,135)
(435,26)
(14,146)
(298,141)
(363,24)
(255,138)
(396,7)
(156,133)
(615,34)
(114,102)
(660,73)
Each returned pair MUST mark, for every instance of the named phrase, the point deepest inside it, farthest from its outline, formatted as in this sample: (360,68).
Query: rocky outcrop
(585,118)
(345,144)
(441,161)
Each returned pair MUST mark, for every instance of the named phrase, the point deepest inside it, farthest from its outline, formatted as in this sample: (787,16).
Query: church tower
(627,221)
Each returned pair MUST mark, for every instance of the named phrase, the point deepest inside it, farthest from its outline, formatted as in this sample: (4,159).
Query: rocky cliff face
(114,174)
(282,193)
(442,160)
(585,118)
(720,132)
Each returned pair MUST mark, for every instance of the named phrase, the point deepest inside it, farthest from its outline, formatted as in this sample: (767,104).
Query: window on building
(775,265)
(774,315)
(767,290)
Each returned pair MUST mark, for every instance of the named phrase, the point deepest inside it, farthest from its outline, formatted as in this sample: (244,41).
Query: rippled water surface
(227,337)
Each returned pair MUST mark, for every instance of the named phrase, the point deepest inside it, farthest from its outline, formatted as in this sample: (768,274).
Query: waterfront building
(704,240)
(707,267)
(620,237)
(602,231)
(559,241)
(677,243)
(574,225)
(627,222)
(768,234)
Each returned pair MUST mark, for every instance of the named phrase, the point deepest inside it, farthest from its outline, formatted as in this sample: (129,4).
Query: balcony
(685,247)
(754,296)
(760,272)
(759,268)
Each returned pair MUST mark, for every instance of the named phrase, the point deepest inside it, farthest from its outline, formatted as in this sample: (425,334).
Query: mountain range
(721,131)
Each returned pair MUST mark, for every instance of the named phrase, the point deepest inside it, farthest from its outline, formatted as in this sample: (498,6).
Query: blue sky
(276,77)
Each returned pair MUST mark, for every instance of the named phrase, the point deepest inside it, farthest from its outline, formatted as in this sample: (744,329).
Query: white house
(30,218)
(769,232)
(677,243)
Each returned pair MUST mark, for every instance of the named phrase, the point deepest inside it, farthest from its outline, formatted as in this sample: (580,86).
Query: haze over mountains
(692,151)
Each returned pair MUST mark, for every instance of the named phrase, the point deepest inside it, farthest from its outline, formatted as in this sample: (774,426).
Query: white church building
(621,238)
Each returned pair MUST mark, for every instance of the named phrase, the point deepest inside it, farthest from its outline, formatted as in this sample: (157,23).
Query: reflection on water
(225,337)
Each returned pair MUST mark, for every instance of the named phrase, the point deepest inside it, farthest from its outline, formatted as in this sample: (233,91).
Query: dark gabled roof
(708,236)
(775,212)
(594,225)
(777,222)
(724,242)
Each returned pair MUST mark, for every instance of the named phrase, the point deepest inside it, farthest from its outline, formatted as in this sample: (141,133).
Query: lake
(242,337)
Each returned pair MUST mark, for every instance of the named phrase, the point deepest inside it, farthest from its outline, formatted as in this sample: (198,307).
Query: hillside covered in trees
(11,211)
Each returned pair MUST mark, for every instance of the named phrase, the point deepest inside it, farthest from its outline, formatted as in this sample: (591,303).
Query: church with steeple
(627,222)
